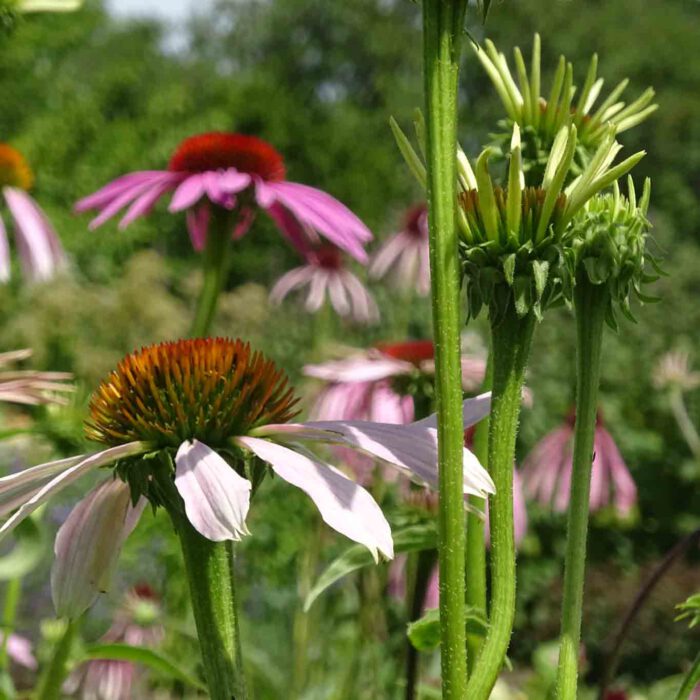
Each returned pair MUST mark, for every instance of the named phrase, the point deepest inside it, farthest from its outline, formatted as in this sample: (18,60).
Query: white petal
(67,477)
(473,410)
(216,497)
(343,504)
(88,545)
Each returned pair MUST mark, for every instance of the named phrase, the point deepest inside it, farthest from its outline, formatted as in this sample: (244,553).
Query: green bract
(516,242)
(607,238)
(540,118)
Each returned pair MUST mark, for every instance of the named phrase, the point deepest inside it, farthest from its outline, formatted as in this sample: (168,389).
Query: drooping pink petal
(320,212)
(317,290)
(19,649)
(473,410)
(67,477)
(114,189)
(107,679)
(542,467)
(5,263)
(290,281)
(339,295)
(412,449)
(365,309)
(88,545)
(143,204)
(622,483)
(198,225)
(216,497)
(388,254)
(343,504)
(301,238)
(359,369)
(188,192)
(389,407)
(40,251)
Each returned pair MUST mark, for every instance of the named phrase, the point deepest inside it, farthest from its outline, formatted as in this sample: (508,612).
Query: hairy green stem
(215,259)
(476,548)
(54,675)
(511,339)
(209,567)
(590,304)
(415,600)
(691,680)
(443,26)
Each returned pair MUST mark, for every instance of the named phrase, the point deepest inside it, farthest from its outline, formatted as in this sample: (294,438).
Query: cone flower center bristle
(218,150)
(414,351)
(14,171)
(416,222)
(210,389)
(328,257)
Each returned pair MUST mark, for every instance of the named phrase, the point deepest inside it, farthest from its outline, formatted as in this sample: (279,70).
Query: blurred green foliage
(87,98)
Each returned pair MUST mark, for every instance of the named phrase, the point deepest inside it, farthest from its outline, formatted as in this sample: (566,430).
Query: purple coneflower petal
(107,679)
(344,505)
(299,236)
(365,309)
(623,486)
(387,255)
(339,295)
(5,265)
(188,192)
(143,204)
(67,477)
(216,497)
(114,189)
(317,291)
(19,649)
(388,406)
(290,281)
(359,369)
(473,410)
(40,251)
(88,545)
(198,225)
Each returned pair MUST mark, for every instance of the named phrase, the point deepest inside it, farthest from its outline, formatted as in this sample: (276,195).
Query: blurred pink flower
(404,257)
(19,649)
(220,171)
(40,252)
(325,275)
(547,471)
(137,623)
(28,386)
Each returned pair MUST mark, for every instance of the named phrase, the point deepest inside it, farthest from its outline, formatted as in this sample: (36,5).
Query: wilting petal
(88,545)
(473,410)
(216,497)
(67,477)
(343,504)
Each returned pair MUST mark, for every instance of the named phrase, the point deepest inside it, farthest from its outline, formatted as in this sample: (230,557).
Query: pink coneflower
(203,410)
(404,257)
(326,276)
(229,174)
(136,623)
(19,649)
(28,386)
(547,471)
(40,252)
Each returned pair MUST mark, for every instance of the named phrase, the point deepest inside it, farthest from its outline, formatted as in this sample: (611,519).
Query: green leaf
(509,268)
(484,7)
(412,538)
(424,634)
(28,552)
(146,657)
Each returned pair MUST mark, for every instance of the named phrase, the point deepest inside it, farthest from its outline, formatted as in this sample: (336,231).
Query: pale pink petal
(233,181)
(365,309)
(40,251)
(88,545)
(317,291)
(599,494)
(107,679)
(343,401)
(143,204)
(432,593)
(625,490)
(338,294)
(423,282)
(343,504)
(410,448)
(5,263)
(216,497)
(198,225)
(294,279)
(562,494)
(359,369)
(542,466)
(389,407)
(387,255)
(473,410)
(114,189)
(19,649)
(67,477)
(188,193)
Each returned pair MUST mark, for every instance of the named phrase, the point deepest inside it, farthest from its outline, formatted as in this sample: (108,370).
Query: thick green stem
(215,259)
(511,338)
(209,567)
(590,304)
(54,675)
(690,681)
(476,548)
(442,31)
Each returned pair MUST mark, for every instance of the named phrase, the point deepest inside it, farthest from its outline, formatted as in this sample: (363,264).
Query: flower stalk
(51,682)
(591,302)
(442,31)
(215,259)
(511,339)
(209,567)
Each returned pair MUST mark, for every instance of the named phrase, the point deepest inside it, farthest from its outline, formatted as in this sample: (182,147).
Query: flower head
(30,386)
(673,372)
(193,426)
(540,118)
(325,275)
(229,176)
(404,257)
(547,471)
(40,252)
